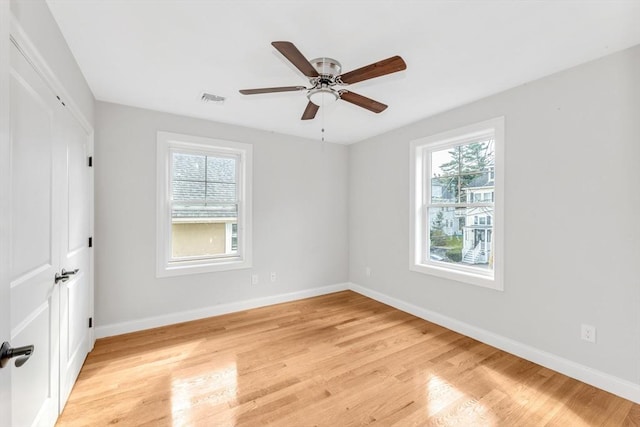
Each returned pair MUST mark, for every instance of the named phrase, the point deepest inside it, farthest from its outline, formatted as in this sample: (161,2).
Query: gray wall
(572,235)
(299,217)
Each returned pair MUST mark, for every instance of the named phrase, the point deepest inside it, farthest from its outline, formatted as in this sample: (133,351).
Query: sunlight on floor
(456,407)
(190,393)
(440,394)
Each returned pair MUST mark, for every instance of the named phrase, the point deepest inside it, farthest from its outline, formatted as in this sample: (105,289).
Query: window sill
(477,279)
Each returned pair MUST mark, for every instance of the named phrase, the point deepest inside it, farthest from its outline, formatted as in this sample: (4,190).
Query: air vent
(209,97)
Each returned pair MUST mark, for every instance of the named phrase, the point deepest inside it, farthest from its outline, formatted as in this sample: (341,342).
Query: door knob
(7,353)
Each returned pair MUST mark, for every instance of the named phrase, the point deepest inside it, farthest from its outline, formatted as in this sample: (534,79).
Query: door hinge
(90,161)
(91,322)
(90,242)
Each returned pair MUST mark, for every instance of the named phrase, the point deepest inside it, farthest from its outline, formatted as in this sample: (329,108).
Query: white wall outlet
(254,279)
(273,277)
(367,271)
(588,333)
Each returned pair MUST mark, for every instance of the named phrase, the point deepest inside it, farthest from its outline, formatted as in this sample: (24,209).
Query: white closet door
(74,293)
(35,248)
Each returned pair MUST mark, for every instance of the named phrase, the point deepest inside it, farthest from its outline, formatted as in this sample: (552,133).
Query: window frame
(420,185)
(168,143)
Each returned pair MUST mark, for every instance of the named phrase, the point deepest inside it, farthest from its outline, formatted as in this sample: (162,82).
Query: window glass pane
(446,227)
(200,230)
(444,190)
(221,192)
(200,177)
(476,188)
(188,173)
(458,174)
(473,157)
(187,190)
(466,242)
(205,212)
(477,156)
(446,162)
(188,167)
(221,169)
(234,237)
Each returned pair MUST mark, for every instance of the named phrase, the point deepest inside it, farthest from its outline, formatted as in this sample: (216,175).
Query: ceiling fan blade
(272,90)
(289,51)
(380,68)
(362,101)
(310,111)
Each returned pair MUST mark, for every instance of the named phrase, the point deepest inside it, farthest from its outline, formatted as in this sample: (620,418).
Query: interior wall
(299,217)
(571,207)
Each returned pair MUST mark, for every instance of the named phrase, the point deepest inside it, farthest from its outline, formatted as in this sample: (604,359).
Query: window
(459,175)
(204,205)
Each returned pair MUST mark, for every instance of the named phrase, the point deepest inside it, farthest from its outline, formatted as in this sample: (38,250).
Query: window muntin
(456,179)
(204,204)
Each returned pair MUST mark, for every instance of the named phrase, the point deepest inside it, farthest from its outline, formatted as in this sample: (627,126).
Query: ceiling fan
(325,80)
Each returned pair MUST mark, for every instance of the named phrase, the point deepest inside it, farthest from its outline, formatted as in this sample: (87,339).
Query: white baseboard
(604,381)
(217,310)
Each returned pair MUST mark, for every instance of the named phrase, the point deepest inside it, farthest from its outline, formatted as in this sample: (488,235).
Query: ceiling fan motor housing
(322,91)
(327,67)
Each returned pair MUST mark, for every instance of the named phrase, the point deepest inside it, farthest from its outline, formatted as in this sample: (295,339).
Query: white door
(75,339)
(50,227)
(35,248)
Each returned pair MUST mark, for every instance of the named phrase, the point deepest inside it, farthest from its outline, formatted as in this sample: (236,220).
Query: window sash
(428,204)
(167,264)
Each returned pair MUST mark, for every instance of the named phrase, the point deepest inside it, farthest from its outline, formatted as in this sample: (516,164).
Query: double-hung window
(457,178)
(204,205)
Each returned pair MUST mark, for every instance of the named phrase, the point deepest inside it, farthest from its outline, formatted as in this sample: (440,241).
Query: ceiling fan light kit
(324,76)
(322,96)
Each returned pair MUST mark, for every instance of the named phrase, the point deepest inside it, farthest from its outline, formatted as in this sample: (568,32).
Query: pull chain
(322,117)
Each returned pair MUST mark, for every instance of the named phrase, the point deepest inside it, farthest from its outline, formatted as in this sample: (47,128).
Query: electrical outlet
(273,277)
(254,279)
(367,271)
(588,333)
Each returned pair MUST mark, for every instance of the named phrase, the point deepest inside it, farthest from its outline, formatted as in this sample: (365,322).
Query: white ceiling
(163,54)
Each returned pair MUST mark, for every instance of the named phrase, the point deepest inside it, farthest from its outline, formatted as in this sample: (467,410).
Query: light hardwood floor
(335,360)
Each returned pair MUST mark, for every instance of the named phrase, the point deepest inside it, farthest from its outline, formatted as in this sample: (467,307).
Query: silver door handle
(7,353)
(59,278)
(64,275)
(69,273)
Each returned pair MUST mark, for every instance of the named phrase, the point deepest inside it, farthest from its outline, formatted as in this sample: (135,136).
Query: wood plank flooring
(335,360)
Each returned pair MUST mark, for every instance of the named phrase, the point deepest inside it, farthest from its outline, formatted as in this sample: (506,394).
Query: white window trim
(418,194)
(243,259)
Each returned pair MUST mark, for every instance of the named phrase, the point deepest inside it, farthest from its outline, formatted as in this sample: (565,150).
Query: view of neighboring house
(204,210)
(461,213)
(478,229)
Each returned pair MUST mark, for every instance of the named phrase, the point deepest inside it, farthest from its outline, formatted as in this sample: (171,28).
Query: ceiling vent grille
(209,97)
